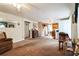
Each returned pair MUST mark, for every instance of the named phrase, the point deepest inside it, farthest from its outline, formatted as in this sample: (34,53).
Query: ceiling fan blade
(65,18)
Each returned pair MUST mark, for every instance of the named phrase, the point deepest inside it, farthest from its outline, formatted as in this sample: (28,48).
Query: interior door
(26,29)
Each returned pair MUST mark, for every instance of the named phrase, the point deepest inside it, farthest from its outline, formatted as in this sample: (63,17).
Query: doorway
(26,29)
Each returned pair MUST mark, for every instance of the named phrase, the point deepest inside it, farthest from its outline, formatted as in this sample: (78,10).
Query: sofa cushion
(2,36)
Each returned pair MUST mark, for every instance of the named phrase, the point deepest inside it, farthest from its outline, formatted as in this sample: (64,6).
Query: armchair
(5,43)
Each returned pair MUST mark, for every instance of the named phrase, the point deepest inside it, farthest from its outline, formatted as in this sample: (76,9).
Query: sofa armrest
(8,39)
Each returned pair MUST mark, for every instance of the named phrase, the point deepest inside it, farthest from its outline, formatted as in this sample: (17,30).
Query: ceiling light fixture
(50,20)
(18,6)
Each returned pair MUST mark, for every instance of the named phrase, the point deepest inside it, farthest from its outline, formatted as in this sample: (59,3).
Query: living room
(13,23)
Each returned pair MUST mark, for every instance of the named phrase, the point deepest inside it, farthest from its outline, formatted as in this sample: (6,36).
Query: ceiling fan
(18,6)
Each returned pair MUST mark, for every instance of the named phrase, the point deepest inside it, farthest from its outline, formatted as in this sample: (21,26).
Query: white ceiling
(40,11)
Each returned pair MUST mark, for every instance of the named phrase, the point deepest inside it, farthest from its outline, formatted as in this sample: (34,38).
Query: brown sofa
(5,43)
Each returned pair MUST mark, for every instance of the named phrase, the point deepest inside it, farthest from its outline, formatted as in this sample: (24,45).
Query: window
(3,24)
(6,24)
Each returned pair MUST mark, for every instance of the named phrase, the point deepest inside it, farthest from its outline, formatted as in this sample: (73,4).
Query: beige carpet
(37,47)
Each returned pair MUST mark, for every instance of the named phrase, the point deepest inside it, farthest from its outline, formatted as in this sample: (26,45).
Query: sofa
(6,44)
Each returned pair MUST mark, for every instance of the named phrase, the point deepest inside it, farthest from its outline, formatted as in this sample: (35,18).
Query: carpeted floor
(37,47)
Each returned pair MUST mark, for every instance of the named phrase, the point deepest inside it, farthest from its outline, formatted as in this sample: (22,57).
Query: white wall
(16,33)
(74,31)
(64,26)
(78,24)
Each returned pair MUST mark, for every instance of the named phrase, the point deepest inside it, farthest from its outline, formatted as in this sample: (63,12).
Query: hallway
(41,46)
